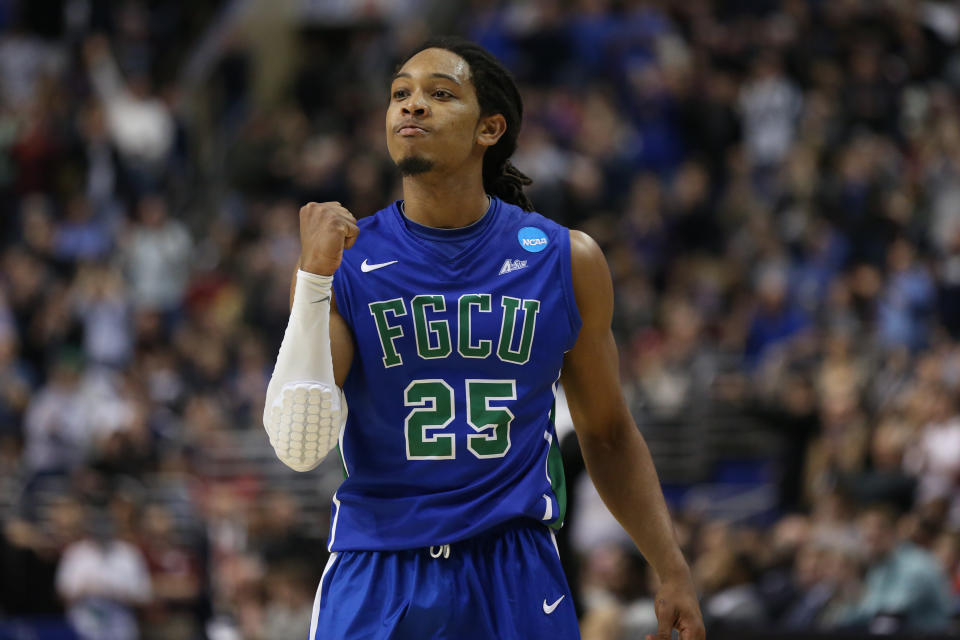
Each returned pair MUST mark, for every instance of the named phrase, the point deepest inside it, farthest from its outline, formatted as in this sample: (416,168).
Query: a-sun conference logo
(532,239)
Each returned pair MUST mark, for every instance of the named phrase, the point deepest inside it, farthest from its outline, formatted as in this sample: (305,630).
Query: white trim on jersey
(343,454)
(333,528)
(553,537)
(316,598)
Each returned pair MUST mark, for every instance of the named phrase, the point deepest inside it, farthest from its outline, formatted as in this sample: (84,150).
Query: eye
(400,94)
(443,94)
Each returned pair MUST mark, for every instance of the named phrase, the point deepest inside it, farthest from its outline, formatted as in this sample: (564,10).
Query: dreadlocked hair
(496,93)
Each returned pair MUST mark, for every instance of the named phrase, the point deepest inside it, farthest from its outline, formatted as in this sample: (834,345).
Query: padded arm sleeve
(305,410)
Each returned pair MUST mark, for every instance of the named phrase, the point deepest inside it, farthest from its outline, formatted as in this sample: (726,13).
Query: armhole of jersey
(566,284)
(341,294)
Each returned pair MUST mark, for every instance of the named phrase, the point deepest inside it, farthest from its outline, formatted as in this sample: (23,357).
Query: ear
(491,129)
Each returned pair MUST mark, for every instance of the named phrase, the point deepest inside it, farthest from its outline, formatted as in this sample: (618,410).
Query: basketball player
(448,325)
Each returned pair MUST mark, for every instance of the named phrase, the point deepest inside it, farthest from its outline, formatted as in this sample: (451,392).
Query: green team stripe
(558,481)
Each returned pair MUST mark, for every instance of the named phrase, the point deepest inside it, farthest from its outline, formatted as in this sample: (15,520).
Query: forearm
(304,408)
(622,471)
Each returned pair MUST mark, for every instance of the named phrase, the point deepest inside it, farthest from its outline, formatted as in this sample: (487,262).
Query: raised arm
(615,453)
(341,337)
(305,408)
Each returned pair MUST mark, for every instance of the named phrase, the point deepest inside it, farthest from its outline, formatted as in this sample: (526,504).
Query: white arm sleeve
(305,410)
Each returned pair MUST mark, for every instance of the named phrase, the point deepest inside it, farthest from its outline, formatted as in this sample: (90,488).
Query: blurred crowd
(776,185)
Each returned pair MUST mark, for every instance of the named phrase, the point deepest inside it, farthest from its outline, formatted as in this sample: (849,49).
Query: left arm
(615,453)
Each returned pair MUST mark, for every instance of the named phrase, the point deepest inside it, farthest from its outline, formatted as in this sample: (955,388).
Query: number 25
(433,409)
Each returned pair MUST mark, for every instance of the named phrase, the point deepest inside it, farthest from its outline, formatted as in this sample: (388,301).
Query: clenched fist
(326,229)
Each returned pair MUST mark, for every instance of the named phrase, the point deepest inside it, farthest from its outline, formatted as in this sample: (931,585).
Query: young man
(448,324)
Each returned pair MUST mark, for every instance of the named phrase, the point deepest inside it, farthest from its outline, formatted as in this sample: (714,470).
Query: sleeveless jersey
(451,391)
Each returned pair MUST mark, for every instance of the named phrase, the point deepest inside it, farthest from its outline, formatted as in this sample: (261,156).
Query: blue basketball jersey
(451,392)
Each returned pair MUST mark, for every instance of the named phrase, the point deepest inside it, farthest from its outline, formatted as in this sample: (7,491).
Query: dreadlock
(497,93)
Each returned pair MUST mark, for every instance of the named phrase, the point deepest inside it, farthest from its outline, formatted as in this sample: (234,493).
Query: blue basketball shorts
(507,585)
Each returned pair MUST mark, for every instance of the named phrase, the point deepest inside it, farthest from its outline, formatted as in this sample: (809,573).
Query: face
(433,121)
(877,534)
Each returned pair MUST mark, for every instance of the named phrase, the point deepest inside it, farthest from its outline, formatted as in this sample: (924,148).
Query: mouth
(409,130)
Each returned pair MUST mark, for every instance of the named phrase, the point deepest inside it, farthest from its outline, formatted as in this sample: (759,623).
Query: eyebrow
(447,76)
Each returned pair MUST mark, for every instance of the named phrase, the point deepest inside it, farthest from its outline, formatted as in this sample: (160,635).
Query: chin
(414,165)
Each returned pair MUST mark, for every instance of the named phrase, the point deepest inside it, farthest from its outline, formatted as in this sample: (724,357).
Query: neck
(446,202)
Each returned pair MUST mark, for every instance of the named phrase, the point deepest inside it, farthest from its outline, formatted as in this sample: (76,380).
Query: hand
(677,608)
(326,229)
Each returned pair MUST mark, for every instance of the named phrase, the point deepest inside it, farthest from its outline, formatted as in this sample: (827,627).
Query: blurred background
(776,185)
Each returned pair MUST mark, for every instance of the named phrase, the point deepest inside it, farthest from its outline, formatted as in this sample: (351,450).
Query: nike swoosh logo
(548,608)
(367,268)
(323,299)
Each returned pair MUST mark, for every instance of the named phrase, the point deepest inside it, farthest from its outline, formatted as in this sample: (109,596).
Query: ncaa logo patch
(532,239)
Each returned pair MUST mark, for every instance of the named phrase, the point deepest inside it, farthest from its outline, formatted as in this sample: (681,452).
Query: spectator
(102,305)
(157,257)
(947,550)
(771,104)
(935,457)
(730,598)
(29,560)
(57,434)
(907,304)
(290,604)
(813,592)
(175,576)
(140,124)
(776,320)
(103,580)
(904,589)
(82,236)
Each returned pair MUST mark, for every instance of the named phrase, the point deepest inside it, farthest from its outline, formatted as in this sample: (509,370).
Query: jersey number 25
(433,409)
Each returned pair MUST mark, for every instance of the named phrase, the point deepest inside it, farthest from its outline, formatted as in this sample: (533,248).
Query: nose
(415,106)
(418,110)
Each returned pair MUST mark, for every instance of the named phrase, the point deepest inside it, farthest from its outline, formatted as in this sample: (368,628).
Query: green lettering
(437,329)
(508,329)
(388,333)
(464,340)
